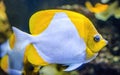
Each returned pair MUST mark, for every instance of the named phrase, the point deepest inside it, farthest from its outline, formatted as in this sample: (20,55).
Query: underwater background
(108,60)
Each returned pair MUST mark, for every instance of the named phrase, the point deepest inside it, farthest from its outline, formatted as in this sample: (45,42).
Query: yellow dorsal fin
(40,20)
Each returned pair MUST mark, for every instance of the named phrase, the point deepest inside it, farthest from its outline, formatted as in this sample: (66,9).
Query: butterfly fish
(57,37)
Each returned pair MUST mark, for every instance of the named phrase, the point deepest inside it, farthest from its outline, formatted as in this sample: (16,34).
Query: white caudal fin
(16,55)
(72,67)
(21,38)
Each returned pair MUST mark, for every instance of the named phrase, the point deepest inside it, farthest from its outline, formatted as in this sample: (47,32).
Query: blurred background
(107,22)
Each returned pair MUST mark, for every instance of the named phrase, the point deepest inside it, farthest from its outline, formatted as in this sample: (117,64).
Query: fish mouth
(91,53)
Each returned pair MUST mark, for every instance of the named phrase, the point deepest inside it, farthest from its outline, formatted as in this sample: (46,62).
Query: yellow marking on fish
(4,63)
(38,23)
(89,53)
(33,57)
(12,41)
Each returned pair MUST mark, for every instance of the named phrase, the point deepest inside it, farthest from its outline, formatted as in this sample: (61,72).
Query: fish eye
(96,38)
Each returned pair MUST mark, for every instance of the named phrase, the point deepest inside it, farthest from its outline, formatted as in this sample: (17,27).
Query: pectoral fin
(73,67)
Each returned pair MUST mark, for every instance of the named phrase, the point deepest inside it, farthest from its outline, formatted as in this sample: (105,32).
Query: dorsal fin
(40,20)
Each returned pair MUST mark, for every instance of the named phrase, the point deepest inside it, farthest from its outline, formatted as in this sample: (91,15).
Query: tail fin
(21,38)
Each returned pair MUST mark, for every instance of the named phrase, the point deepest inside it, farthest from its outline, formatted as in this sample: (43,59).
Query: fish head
(95,42)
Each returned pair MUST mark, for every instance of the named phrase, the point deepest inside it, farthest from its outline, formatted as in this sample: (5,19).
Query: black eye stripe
(96,38)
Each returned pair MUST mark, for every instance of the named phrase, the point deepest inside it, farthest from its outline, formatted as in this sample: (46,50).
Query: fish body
(57,37)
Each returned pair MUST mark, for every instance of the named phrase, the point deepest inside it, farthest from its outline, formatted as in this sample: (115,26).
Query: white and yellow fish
(57,37)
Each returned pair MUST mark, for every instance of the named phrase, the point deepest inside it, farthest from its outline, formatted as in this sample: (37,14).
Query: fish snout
(106,42)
